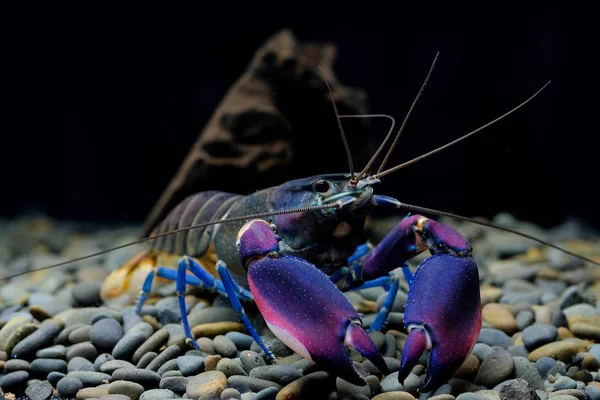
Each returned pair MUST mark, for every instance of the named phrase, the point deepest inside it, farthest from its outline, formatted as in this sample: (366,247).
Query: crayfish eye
(322,186)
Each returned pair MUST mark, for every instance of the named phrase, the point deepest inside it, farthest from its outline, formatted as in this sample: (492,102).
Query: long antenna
(414,160)
(387,137)
(337,117)
(175,231)
(412,107)
(431,211)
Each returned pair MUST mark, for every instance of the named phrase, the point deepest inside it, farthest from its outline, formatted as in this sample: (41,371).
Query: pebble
(90,378)
(144,377)
(14,379)
(157,394)
(177,384)
(41,367)
(562,350)
(167,354)
(526,370)
(538,335)
(500,317)
(146,359)
(86,350)
(169,366)
(153,344)
(111,366)
(17,365)
(56,351)
(231,394)
(132,339)
(40,390)
(130,389)
(190,365)
(242,341)
(54,377)
(251,360)
(105,334)
(390,383)
(495,368)
(68,386)
(282,374)
(81,334)
(230,368)
(42,337)
(213,329)
(224,346)
(494,337)
(206,384)
(80,364)
(92,392)
(101,359)
(586,331)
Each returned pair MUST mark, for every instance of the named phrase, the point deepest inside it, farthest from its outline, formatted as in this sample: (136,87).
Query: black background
(101,105)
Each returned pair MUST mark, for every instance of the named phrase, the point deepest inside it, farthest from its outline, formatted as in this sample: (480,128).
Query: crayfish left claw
(357,337)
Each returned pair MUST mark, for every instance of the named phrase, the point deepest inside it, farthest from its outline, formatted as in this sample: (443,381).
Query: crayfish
(304,243)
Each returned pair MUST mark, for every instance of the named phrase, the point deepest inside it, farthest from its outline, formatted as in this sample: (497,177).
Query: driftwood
(275,123)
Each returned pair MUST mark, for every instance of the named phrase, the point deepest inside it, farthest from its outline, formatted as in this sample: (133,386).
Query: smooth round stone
(130,389)
(499,317)
(41,367)
(525,318)
(86,350)
(231,394)
(114,397)
(224,346)
(279,373)
(20,334)
(586,331)
(87,294)
(146,378)
(158,394)
(568,394)
(169,366)
(101,359)
(170,374)
(80,335)
(130,320)
(494,337)
(39,313)
(43,337)
(207,384)
(390,383)
(251,360)
(55,377)
(39,299)
(80,364)
(40,390)
(106,333)
(153,344)
(564,382)
(345,388)
(133,339)
(538,335)
(562,350)
(585,310)
(63,336)
(167,354)
(17,365)
(495,368)
(111,366)
(90,378)
(210,362)
(92,392)
(481,350)
(177,384)
(230,368)
(241,340)
(146,360)
(526,370)
(56,351)
(14,379)
(212,314)
(213,329)
(206,345)
(190,365)
(245,383)
(68,387)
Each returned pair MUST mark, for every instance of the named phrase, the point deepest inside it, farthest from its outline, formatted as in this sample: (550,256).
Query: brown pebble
(443,397)
(568,392)
(499,317)
(39,313)
(468,369)
(19,334)
(562,350)
(8,329)
(92,392)
(595,384)
(394,396)
(589,362)
(312,385)
(152,321)
(564,333)
(586,331)
(213,329)
(210,362)
(206,384)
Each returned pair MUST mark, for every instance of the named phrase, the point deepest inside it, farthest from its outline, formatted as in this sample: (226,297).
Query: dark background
(101,105)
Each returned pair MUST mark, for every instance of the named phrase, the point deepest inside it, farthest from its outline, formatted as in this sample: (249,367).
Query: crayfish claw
(416,343)
(357,337)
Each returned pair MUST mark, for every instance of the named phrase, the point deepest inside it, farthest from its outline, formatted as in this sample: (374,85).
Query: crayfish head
(256,239)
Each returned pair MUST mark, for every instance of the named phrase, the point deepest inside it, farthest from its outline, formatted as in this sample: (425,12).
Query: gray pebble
(86,350)
(57,351)
(131,389)
(106,333)
(207,346)
(559,319)
(158,394)
(212,314)
(80,364)
(538,335)
(17,365)
(40,390)
(593,392)
(241,340)
(87,294)
(390,383)
(90,378)
(167,354)
(250,360)
(518,351)
(81,334)
(111,366)
(54,377)
(280,373)
(564,382)
(146,378)
(100,316)
(412,382)
(43,337)
(146,359)
(544,365)
(190,365)
(224,346)
(230,393)
(113,397)
(525,318)
(101,359)
(154,343)
(481,350)
(68,386)
(345,388)
(494,337)
(130,319)
(586,310)
(41,367)
(526,370)
(230,368)
(137,335)
(176,384)
(63,336)
(169,366)
(518,389)
(14,379)
(245,383)
(171,374)
(495,368)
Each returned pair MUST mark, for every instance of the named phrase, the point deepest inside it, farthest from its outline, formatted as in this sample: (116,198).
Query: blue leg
(230,287)
(408,275)
(162,272)
(382,316)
